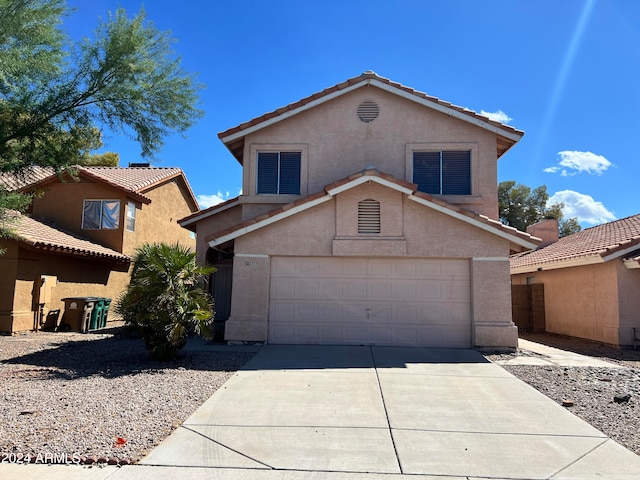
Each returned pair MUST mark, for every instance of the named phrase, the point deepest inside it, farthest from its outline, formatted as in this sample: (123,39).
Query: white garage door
(370,301)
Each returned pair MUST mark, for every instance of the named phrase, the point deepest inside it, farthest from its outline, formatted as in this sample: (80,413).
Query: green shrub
(165,300)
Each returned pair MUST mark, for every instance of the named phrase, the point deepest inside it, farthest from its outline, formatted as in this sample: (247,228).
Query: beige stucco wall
(628,301)
(423,232)
(63,204)
(77,276)
(213,224)
(158,220)
(336,143)
(9,269)
(580,301)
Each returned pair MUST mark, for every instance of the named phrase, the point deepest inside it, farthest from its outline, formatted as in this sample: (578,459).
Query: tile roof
(599,241)
(133,180)
(190,220)
(43,235)
(366,78)
(364,175)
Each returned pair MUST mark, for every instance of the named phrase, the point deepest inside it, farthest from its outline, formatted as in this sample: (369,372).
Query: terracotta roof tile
(364,77)
(44,235)
(373,172)
(601,240)
(135,180)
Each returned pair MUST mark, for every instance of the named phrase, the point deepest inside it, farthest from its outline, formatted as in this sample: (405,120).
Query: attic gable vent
(369,216)
(368,111)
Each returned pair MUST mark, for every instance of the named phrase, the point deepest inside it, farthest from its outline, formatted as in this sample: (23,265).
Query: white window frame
(130,216)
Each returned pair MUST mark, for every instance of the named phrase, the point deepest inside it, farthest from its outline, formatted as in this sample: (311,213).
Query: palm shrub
(165,300)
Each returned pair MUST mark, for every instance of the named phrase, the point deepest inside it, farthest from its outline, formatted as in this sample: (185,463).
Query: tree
(56,95)
(164,299)
(520,207)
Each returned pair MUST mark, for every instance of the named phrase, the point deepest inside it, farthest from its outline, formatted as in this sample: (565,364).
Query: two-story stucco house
(80,234)
(368,217)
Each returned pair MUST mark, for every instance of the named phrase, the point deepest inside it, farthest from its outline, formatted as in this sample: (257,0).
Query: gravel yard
(607,398)
(98,395)
(79,394)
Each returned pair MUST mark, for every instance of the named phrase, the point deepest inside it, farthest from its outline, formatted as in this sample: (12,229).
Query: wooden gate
(527,307)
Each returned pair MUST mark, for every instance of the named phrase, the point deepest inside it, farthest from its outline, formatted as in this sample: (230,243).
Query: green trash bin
(105,311)
(96,313)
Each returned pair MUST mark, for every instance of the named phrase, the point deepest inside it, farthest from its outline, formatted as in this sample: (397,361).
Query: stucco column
(493,327)
(249,300)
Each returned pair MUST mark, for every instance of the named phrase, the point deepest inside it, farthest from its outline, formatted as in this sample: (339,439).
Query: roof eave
(510,134)
(570,262)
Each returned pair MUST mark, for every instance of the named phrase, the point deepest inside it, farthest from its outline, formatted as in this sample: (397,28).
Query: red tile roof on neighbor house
(46,236)
(592,245)
(519,239)
(133,180)
(508,135)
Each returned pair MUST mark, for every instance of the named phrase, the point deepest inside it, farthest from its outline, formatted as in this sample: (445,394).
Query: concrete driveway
(317,412)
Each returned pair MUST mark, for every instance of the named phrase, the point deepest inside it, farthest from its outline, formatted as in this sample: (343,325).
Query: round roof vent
(368,111)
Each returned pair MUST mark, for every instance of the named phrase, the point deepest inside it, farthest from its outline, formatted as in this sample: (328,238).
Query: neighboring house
(80,233)
(368,217)
(591,281)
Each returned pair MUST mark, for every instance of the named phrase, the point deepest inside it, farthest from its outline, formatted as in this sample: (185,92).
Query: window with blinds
(369,216)
(279,173)
(443,172)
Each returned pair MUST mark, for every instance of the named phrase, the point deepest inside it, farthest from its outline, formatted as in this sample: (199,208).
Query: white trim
(483,226)
(204,215)
(447,110)
(250,255)
(571,262)
(255,226)
(433,104)
(631,264)
(621,253)
(365,179)
(490,259)
(290,113)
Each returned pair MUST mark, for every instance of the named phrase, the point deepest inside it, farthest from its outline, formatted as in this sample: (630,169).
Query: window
(369,216)
(443,172)
(279,173)
(101,214)
(131,216)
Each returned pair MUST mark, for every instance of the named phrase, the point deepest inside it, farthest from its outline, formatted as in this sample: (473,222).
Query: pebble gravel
(98,396)
(606,398)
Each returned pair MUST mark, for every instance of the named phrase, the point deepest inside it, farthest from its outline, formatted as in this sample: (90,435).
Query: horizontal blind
(267,173)
(456,172)
(290,173)
(426,171)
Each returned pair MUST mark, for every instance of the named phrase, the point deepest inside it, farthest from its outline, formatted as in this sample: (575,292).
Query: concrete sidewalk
(352,413)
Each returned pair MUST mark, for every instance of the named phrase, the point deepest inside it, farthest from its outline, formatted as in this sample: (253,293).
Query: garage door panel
(370,301)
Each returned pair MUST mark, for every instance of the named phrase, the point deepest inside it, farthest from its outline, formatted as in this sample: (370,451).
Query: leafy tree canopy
(54,93)
(520,207)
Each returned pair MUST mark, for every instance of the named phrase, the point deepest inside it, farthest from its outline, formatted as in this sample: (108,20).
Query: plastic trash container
(96,313)
(77,313)
(105,311)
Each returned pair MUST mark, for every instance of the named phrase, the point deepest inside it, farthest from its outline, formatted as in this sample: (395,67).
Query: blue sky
(566,72)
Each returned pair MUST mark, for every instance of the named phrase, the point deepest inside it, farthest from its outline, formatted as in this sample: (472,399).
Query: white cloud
(582,206)
(572,162)
(498,116)
(207,201)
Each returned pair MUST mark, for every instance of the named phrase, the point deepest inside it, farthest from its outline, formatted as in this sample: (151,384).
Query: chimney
(547,230)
